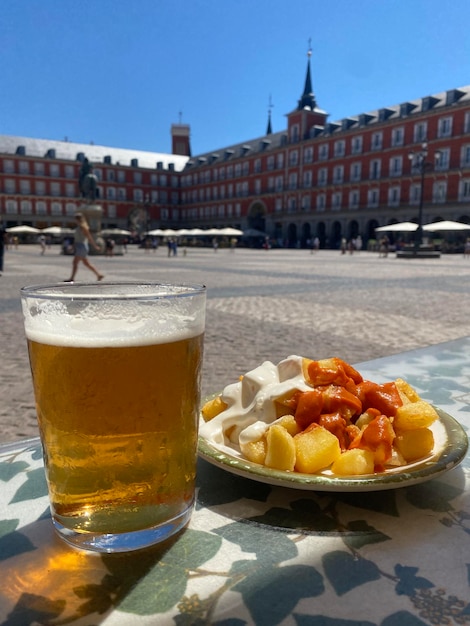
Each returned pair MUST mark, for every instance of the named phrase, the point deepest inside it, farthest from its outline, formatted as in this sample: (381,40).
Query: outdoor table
(258,554)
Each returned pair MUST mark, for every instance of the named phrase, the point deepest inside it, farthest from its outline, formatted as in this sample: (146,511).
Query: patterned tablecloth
(256,554)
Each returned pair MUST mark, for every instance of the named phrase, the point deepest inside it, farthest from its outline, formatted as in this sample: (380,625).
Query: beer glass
(116,371)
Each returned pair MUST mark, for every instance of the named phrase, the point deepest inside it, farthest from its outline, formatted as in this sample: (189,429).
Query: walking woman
(82,238)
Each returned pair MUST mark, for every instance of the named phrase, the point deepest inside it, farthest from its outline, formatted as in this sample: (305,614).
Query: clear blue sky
(119,73)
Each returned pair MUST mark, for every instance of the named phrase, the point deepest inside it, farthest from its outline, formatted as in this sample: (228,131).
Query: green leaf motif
(272,593)
(383,502)
(433,495)
(164,584)
(31,610)
(360,534)
(305,515)
(9,470)
(345,572)
(273,548)
(34,487)
(12,543)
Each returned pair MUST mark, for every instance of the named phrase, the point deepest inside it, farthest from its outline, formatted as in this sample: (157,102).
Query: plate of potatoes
(318,425)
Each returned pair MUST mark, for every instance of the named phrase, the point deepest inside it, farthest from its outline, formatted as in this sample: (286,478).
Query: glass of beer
(116,371)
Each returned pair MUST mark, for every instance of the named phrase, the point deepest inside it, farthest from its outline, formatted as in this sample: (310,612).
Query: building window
(321,202)
(25,187)
(356,144)
(293,158)
(138,195)
(293,180)
(398,136)
(305,203)
(23,167)
(270,163)
(354,199)
(41,208)
(338,174)
(39,168)
(26,207)
(415,193)
(394,196)
(336,200)
(278,205)
(10,186)
(11,207)
(439,191)
(40,187)
(443,162)
(121,176)
(257,166)
(340,148)
(294,132)
(55,189)
(70,208)
(308,155)
(420,132)
(280,160)
(56,208)
(322,176)
(323,152)
(374,169)
(111,176)
(279,183)
(291,204)
(373,198)
(464,190)
(355,171)
(376,141)
(8,166)
(307,178)
(444,127)
(238,169)
(111,193)
(111,210)
(396,166)
(257,187)
(465,156)
(54,170)
(466,124)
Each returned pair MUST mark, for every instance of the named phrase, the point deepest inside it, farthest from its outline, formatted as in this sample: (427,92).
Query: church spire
(308,98)
(269,129)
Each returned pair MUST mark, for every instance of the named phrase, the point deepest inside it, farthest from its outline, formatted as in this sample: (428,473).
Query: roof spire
(269,129)
(308,98)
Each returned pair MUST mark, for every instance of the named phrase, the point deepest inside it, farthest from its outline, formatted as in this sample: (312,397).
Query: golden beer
(118,425)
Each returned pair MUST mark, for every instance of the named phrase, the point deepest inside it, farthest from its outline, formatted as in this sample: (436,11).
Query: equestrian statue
(87,182)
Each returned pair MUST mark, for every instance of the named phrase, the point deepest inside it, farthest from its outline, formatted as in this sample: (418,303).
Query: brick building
(314,178)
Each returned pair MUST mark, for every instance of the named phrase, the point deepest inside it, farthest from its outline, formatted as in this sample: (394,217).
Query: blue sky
(119,73)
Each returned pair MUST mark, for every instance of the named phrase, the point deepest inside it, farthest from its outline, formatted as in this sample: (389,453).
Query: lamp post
(419,161)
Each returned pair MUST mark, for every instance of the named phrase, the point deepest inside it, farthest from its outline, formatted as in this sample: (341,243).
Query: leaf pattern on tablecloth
(11,541)
(34,487)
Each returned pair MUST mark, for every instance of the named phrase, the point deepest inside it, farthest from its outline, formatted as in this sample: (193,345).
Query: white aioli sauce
(250,403)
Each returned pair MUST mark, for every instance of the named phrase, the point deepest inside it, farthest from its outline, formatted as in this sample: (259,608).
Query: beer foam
(127,324)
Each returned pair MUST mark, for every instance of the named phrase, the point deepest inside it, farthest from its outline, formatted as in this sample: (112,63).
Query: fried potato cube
(419,414)
(414,444)
(407,390)
(288,422)
(316,449)
(280,449)
(254,451)
(354,463)
(212,408)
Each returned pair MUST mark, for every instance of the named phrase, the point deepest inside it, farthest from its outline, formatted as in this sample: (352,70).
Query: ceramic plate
(450,446)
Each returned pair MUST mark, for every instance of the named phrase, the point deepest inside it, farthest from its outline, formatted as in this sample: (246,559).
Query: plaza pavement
(262,305)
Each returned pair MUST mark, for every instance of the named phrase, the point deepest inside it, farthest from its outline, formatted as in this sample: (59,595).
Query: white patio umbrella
(109,232)
(400,227)
(57,230)
(156,232)
(22,229)
(445,225)
(231,232)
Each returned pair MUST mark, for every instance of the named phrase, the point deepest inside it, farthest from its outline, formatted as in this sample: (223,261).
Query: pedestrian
(3,244)
(42,243)
(466,250)
(83,237)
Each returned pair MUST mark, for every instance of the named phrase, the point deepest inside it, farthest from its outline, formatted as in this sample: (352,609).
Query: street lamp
(419,162)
